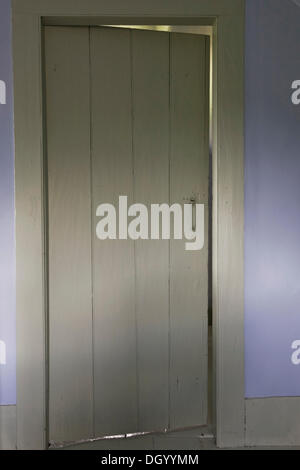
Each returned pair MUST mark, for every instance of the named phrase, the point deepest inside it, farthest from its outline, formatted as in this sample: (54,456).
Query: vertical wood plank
(228,255)
(150,59)
(30,274)
(70,290)
(113,260)
(189,269)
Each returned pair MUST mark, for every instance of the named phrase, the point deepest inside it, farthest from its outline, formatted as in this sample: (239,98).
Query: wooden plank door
(131,109)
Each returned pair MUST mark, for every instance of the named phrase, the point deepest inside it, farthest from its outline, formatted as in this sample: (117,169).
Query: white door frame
(227,19)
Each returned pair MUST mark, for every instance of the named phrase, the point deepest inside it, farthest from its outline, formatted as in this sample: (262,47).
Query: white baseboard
(273,421)
(8,427)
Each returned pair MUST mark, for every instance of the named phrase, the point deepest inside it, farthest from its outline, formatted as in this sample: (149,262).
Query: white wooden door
(126,114)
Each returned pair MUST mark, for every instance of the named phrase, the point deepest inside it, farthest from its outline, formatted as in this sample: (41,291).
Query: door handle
(193,202)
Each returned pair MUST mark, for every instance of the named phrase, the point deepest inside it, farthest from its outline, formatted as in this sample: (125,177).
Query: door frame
(227,20)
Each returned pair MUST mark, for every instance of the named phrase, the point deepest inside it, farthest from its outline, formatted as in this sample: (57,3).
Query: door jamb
(227,19)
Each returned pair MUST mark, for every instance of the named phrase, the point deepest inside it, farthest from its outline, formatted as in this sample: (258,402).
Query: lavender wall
(272,198)
(7,262)
(272,201)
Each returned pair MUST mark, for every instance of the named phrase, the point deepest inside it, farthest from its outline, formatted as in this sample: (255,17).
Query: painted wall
(272,202)
(7,242)
(272,198)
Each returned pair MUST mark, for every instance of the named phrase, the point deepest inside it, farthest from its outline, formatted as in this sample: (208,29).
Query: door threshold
(200,432)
